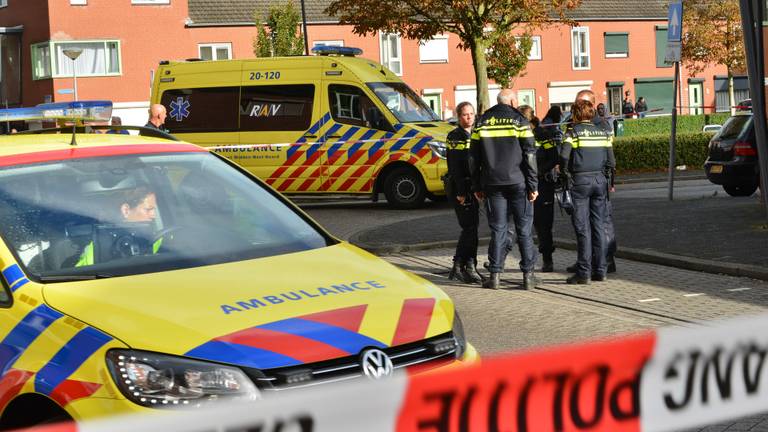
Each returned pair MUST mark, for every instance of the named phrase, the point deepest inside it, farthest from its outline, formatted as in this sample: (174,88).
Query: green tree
(713,36)
(279,36)
(484,27)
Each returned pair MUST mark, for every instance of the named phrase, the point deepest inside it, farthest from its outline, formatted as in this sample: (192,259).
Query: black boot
(530,281)
(547,266)
(455,273)
(572,268)
(494,282)
(611,266)
(469,272)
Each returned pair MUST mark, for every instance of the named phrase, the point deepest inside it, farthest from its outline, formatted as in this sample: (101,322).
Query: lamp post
(73,53)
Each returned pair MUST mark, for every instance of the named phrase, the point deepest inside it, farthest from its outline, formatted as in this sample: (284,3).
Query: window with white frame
(98,58)
(580,47)
(215,51)
(3,3)
(391,52)
(78,2)
(150,2)
(535,53)
(336,43)
(434,50)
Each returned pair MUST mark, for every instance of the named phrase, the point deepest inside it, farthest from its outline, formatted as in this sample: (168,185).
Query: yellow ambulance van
(332,123)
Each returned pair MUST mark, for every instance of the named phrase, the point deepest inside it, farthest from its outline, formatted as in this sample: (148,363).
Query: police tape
(664,380)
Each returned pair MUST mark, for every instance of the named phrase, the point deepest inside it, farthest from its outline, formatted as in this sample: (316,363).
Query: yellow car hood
(264,313)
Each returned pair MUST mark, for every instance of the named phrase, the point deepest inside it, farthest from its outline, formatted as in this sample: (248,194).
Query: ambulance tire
(404,188)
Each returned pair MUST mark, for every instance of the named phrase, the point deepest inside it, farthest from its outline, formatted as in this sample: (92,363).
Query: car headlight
(458,334)
(438,148)
(158,380)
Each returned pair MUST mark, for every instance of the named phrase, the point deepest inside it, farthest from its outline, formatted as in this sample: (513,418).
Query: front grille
(423,355)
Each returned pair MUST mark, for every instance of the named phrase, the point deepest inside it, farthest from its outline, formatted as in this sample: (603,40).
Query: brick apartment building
(617,46)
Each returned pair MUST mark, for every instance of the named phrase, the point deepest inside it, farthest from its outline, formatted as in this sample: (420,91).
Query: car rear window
(734,127)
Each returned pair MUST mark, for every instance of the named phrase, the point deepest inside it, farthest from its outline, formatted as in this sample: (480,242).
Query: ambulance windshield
(403,102)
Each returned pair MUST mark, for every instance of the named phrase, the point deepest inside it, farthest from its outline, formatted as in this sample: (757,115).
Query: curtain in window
(92,60)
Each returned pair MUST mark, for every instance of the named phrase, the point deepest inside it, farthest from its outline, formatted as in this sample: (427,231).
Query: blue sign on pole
(675,22)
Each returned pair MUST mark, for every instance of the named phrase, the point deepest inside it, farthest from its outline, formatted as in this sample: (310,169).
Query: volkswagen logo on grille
(376,364)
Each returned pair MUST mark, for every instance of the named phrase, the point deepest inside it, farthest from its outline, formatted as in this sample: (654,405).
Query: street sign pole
(673,136)
(672,55)
(752,24)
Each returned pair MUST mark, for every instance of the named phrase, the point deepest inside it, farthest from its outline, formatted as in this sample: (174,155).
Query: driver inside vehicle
(136,206)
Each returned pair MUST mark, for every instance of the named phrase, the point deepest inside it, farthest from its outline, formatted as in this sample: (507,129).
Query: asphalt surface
(702,229)
(669,260)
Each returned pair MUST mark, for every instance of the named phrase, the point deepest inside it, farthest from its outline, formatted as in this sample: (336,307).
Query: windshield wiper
(72,278)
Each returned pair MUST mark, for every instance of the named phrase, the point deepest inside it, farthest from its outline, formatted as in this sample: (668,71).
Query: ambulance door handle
(333,136)
(310,136)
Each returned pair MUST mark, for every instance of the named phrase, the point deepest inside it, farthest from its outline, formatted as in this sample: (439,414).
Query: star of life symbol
(376,364)
(180,109)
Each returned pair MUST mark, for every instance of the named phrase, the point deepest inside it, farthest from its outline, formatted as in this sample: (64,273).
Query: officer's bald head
(507,97)
(587,95)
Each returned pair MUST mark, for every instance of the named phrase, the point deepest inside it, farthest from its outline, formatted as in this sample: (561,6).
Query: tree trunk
(477,48)
(731,95)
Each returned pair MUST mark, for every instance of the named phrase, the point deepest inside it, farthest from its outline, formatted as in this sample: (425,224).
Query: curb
(641,255)
(630,180)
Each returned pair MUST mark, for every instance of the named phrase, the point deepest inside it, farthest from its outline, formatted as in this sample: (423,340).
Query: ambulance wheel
(404,188)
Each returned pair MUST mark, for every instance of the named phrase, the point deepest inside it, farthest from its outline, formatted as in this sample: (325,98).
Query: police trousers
(544,216)
(610,233)
(589,213)
(501,203)
(468,215)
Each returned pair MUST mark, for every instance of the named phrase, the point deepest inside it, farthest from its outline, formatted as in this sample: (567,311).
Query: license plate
(716,169)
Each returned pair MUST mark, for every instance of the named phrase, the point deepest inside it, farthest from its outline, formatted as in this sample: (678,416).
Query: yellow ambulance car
(326,124)
(139,273)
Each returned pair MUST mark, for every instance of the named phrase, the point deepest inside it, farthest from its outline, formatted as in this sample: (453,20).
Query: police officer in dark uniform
(503,167)
(547,160)
(610,232)
(586,155)
(458,187)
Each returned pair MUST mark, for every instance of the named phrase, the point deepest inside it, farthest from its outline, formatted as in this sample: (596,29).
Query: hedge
(651,152)
(663,124)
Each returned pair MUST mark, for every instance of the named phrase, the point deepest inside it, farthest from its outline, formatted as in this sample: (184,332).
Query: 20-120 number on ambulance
(269,75)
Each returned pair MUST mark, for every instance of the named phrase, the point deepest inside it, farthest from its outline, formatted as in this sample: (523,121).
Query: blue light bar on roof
(337,50)
(73,111)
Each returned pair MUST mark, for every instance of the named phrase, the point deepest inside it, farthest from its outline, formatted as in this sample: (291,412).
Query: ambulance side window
(5,298)
(350,105)
(276,107)
(201,109)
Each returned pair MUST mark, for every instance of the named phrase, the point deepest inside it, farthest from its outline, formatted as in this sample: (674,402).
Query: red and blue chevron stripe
(312,338)
(24,333)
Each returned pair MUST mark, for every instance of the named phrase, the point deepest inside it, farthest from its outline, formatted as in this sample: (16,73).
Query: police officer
(503,168)
(458,186)
(610,232)
(547,161)
(547,158)
(585,156)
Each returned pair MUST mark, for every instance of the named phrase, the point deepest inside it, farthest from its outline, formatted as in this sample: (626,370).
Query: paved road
(640,296)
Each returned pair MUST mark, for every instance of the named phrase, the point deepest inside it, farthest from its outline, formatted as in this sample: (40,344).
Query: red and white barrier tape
(666,380)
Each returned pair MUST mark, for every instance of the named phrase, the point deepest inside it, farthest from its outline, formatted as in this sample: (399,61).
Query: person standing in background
(641,107)
(627,108)
(458,187)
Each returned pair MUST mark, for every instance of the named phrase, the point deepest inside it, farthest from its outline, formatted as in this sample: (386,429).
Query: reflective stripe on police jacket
(587,148)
